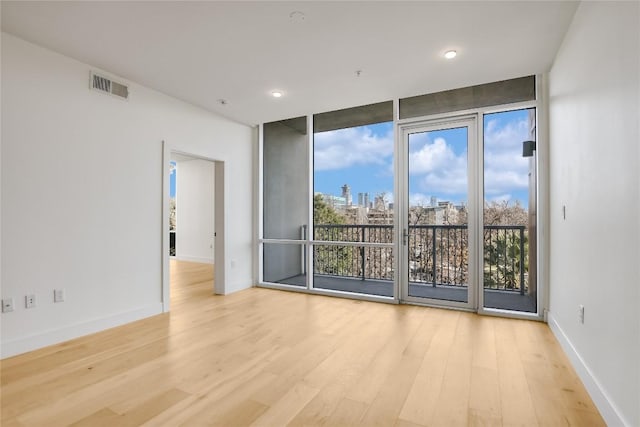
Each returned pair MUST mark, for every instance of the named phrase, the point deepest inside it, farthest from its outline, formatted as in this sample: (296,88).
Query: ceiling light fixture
(277,94)
(450,54)
(296,16)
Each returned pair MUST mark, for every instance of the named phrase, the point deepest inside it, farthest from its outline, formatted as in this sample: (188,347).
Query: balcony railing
(351,261)
(438,254)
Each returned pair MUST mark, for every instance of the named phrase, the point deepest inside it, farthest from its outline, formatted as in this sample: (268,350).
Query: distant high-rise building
(346,193)
(380,203)
(361,199)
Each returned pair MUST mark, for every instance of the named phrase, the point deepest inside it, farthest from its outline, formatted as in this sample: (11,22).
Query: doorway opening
(193,225)
(438,223)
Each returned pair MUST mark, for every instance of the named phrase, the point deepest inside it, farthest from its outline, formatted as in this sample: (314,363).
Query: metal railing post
(303,236)
(362,263)
(433,246)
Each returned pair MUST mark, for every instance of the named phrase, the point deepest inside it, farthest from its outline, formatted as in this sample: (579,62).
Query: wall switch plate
(30,301)
(7,305)
(58,295)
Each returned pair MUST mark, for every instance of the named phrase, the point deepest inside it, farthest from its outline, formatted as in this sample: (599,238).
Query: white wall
(81,195)
(594,254)
(195,210)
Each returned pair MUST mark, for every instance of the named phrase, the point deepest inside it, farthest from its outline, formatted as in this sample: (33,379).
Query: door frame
(220,221)
(404,129)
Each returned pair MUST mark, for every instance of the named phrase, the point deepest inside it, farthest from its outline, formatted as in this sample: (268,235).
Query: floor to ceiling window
(509,211)
(353,182)
(433,203)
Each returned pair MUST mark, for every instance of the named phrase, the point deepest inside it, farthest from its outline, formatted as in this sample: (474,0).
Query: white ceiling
(202,52)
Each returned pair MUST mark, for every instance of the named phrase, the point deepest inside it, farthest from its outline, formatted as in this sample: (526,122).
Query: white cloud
(344,148)
(435,166)
(419,199)
(433,157)
(505,168)
(499,181)
(453,181)
(441,168)
(510,135)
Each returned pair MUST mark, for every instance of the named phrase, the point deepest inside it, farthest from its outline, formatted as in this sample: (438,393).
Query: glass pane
(286,179)
(353,201)
(285,264)
(172,208)
(509,246)
(358,269)
(438,241)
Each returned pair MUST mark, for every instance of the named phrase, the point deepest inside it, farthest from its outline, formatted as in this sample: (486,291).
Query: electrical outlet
(7,305)
(581,313)
(30,301)
(58,295)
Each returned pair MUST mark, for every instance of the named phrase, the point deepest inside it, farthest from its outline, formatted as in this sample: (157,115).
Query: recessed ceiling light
(276,93)
(450,54)
(296,16)
(222,101)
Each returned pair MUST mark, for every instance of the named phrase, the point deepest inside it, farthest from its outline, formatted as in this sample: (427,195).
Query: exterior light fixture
(450,54)
(528,147)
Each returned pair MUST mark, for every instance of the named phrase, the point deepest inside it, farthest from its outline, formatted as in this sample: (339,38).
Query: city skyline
(362,157)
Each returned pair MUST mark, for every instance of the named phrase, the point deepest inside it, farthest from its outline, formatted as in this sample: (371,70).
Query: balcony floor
(505,300)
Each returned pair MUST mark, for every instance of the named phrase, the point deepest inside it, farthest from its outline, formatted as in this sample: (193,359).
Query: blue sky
(172,180)
(363,158)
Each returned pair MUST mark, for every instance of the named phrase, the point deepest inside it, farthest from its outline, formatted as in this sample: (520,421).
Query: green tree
(502,266)
(172,214)
(331,260)
(323,214)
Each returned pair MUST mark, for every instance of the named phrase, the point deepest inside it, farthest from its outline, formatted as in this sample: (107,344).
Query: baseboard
(193,259)
(56,336)
(609,411)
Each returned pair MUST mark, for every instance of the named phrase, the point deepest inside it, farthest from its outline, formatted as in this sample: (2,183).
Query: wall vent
(106,85)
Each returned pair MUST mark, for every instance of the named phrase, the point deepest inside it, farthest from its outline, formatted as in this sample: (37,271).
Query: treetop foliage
(325,214)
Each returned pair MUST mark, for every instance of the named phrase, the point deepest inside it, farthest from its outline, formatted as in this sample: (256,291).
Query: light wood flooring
(273,358)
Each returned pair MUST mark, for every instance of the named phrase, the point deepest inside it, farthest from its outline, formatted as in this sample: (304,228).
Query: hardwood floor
(271,358)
